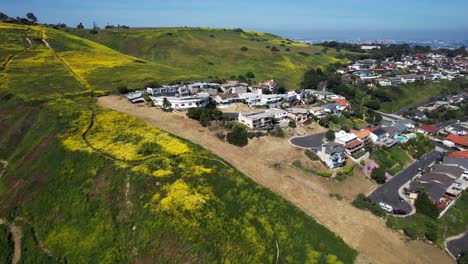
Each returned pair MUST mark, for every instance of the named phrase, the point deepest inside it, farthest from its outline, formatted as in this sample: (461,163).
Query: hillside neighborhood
(437,150)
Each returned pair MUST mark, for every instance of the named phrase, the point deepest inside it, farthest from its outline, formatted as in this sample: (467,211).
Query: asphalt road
(458,246)
(311,141)
(388,192)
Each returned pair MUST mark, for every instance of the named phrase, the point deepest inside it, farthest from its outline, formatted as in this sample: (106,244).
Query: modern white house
(183,102)
(350,141)
(225,99)
(256,120)
(251,98)
(384,82)
(300,115)
(332,154)
(135,97)
(165,90)
(271,99)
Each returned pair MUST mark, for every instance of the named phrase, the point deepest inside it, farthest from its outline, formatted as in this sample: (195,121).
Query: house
(183,103)
(457,129)
(427,129)
(263,119)
(271,100)
(237,90)
(333,108)
(407,78)
(368,47)
(363,135)
(250,98)
(460,141)
(318,112)
(204,87)
(459,154)
(395,80)
(135,97)
(378,134)
(256,120)
(300,115)
(332,154)
(349,141)
(343,102)
(165,90)
(225,99)
(419,115)
(383,82)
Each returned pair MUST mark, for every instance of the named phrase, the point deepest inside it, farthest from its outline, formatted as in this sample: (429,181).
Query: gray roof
(453,171)
(333,147)
(331,106)
(462,162)
(435,190)
(379,132)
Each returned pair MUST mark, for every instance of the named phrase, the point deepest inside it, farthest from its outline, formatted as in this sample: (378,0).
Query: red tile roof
(429,128)
(459,154)
(459,140)
(371,129)
(343,102)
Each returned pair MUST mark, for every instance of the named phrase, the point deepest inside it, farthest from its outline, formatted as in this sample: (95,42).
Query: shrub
(424,205)
(324,173)
(274,49)
(410,232)
(292,123)
(378,175)
(244,48)
(250,75)
(238,135)
(305,54)
(311,155)
(330,135)
(365,203)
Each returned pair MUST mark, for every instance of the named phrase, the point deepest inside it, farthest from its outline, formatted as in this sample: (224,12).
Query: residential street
(388,192)
(459,245)
(311,141)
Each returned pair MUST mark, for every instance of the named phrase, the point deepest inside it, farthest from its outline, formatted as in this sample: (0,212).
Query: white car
(388,208)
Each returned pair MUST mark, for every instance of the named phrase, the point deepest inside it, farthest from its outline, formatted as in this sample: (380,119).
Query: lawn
(100,186)
(392,160)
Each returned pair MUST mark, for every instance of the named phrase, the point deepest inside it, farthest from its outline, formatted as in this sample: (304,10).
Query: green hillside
(216,53)
(97,186)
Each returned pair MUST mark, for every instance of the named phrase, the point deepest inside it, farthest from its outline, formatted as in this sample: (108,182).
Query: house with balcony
(350,141)
(332,154)
(256,120)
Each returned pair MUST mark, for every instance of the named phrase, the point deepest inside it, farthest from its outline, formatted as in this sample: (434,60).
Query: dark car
(399,212)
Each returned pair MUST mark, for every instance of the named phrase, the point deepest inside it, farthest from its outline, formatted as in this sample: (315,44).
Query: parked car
(399,212)
(388,208)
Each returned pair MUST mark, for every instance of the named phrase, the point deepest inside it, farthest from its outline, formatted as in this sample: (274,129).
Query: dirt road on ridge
(361,230)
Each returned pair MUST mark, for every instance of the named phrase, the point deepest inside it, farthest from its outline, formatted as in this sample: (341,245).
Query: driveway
(311,141)
(388,192)
(458,246)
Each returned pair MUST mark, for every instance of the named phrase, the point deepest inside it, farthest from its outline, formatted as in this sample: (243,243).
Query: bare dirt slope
(361,230)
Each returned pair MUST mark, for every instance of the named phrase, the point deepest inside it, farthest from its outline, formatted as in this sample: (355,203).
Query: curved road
(388,192)
(311,141)
(456,246)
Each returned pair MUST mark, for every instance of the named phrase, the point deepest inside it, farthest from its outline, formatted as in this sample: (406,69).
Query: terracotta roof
(371,129)
(459,140)
(361,133)
(343,102)
(353,144)
(459,154)
(429,128)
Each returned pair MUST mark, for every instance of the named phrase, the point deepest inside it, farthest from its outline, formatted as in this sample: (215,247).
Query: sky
(332,19)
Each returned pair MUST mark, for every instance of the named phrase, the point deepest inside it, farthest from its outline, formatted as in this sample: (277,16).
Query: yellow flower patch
(199,170)
(181,197)
(162,173)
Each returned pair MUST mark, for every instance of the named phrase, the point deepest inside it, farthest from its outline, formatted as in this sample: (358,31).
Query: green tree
(244,48)
(31,17)
(250,75)
(166,105)
(292,123)
(424,205)
(238,135)
(330,135)
(378,175)
(80,26)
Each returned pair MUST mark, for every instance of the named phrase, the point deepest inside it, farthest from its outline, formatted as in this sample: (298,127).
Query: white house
(183,103)
(225,99)
(165,90)
(251,98)
(299,115)
(135,97)
(384,82)
(256,120)
(332,154)
(350,141)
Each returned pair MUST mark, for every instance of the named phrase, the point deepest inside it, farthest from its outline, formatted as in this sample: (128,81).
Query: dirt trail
(361,230)
(16,234)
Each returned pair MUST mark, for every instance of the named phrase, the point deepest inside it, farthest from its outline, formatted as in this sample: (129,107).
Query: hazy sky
(304,18)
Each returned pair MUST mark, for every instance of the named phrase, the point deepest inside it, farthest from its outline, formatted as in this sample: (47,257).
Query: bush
(378,175)
(244,48)
(305,54)
(292,123)
(311,155)
(324,173)
(274,49)
(250,75)
(410,232)
(238,135)
(278,132)
(363,202)
(424,205)
(330,135)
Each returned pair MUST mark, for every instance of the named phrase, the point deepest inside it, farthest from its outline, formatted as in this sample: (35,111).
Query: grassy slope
(215,53)
(126,191)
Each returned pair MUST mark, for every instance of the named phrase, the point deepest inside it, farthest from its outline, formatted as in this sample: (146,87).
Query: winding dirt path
(360,229)
(17,235)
